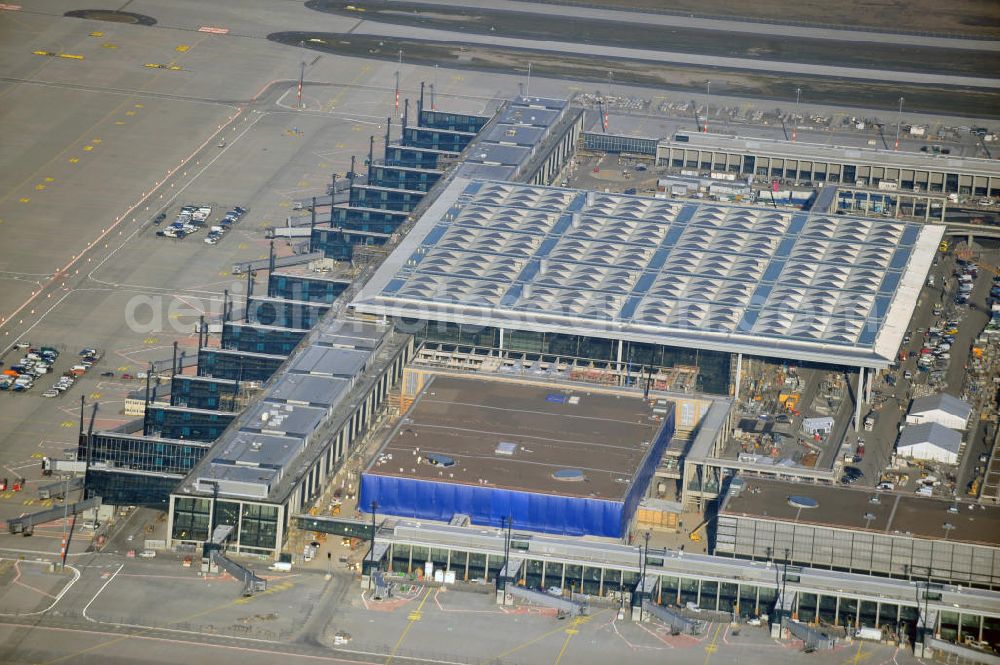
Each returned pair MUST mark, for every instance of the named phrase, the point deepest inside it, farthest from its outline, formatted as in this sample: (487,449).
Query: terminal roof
(780,283)
(283,419)
(847,508)
(522,437)
(308,389)
(330,361)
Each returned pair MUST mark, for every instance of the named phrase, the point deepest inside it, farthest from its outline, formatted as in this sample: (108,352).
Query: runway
(724,25)
(613,52)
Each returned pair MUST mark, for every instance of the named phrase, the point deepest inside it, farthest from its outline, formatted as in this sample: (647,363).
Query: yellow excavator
(696,534)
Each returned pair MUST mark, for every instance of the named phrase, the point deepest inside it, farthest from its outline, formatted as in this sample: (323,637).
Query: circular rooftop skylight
(802,502)
(569,475)
(437,459)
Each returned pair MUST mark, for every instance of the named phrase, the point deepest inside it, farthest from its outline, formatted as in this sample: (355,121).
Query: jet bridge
(58,490)
(26,523)
(214,558)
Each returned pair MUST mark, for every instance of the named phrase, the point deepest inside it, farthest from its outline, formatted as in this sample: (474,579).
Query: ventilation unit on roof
(506,448)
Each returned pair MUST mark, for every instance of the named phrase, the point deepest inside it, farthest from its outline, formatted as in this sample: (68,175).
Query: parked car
(108,375)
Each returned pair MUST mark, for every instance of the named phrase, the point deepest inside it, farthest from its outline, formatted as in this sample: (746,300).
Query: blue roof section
(759,280)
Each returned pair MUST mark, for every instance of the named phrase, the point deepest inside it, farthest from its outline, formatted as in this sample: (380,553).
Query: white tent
(817,425)
(931,442)
(942,409)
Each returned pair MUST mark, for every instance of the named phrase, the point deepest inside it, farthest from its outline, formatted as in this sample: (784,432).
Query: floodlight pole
(371,565)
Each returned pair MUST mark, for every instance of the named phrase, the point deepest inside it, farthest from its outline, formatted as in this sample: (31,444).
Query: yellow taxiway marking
(39,187)
(71,56)
(88,148)
(713,646)
(96,34)
(67,423)
(74,160)
(413,617)
(50,179)
(109,45)
(24,199)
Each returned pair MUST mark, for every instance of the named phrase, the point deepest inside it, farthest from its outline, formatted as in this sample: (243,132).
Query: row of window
(741,599)
(194,393)
(303,288)
(713,377)
(140,454)
(236,367)
(849,173)
(259,340)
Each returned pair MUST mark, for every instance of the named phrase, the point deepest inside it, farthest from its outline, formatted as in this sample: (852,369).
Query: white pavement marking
(58,597)
(103,587)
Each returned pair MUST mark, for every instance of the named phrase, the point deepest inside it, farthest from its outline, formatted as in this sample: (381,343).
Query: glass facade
(363,219)
(285,313)
(243,337)
(454,121)
(191,518)
(300,287)
(120,488)
(237,366)
(339,245)
(616,144)
(395,177)
(714,366)
(259,527)
(386,199)
(181,423)
(397,155)
(141,453)
(198,393)
(427,137)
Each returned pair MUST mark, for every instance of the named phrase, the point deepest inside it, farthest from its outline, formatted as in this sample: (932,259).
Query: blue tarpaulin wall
(489,506)
(431,500)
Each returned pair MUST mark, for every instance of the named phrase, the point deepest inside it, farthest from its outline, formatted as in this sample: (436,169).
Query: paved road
(724,25)
(598,51)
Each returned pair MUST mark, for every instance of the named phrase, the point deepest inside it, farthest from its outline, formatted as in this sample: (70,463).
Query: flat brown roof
(846,507)
(547,428)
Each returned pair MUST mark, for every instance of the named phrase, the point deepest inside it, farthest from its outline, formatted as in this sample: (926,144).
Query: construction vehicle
(695,534)
(974,487)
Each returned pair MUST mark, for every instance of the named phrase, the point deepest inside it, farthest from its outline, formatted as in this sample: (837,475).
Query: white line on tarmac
(103,587)
(58,597)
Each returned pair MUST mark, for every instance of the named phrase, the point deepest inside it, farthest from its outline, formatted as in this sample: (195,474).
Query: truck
(865,633)
(870,421)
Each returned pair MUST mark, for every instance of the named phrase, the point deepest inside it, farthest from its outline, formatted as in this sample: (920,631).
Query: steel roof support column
(858,399)
(739,377)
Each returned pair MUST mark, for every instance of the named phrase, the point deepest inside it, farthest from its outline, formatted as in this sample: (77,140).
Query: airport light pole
(371,565)
(433,87)
(708,96)
(798,94)
(899,120)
